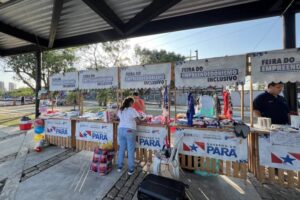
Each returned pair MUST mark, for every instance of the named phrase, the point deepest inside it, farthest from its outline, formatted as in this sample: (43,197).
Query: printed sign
(64,82)
(58,127)
(278,156)
(285,138)
(280,65)
(146,76)
(213,144)
(99,79)
(153,138)
(94,132)
(210,72)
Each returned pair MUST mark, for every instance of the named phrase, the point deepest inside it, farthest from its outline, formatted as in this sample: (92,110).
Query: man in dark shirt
(270,104)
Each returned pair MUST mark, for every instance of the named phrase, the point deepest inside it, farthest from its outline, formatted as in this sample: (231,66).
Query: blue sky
(215,41)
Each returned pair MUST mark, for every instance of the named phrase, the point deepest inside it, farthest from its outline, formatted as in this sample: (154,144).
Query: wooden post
(242,103)
(251,102)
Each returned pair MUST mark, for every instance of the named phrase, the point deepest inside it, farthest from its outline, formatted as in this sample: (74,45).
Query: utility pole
(196,54)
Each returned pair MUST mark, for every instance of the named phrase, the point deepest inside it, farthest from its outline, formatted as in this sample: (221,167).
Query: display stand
(263,70)
(203,73)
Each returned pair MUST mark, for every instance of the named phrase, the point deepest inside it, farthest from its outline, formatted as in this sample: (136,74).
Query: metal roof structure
(31,25)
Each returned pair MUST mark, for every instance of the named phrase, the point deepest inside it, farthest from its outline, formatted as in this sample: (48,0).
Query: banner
(99,79)
(280,65)
(146,76)
(58,127)
(94,132)
(64,82)
(153,138)
(210,72)
(213,144)
(278,156)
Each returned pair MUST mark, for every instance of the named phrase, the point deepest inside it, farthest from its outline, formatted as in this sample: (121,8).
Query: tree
(26,92)
(107,54)
(147,56)
(24,65)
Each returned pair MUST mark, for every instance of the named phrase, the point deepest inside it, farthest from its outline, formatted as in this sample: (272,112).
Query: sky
(215,41)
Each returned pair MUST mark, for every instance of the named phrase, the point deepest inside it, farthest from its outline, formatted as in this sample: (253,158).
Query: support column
(38,77)
(289,41)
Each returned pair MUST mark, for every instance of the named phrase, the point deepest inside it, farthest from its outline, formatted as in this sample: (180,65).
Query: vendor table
(91,133)
(58,131)
(213,150)
(150,138)
(268,165)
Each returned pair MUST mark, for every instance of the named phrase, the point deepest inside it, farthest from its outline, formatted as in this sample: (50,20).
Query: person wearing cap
(272,105)
(139,104)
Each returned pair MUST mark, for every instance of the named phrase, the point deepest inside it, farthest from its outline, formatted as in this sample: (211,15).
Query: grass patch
(14,122)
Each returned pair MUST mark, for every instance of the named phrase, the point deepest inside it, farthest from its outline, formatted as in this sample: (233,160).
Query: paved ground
(58,173)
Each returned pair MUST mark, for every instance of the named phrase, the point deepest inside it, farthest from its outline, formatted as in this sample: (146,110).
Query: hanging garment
(227,105)
(191,109)
(207,106)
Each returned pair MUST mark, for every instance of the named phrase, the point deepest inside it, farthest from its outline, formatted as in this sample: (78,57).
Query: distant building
(2,88)
(11,86)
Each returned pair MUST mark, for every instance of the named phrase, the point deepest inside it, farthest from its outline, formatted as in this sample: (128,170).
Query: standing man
(270,104)
(139,104)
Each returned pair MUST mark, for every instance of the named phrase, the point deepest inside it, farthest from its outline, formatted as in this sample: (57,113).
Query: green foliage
(105,96)
(72,98)
(26,92)
(57,61)
(147,56)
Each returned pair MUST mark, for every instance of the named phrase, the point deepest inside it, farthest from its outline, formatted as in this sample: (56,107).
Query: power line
(265,34)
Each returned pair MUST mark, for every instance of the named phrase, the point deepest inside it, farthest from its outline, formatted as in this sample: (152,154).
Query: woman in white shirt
(127,133)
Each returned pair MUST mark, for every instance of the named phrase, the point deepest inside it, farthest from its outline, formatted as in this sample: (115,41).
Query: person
(139,104)
(22,100)
(127,133)
(272,105)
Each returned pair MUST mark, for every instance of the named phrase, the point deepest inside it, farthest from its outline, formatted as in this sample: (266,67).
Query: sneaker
(130,172)
(119,169)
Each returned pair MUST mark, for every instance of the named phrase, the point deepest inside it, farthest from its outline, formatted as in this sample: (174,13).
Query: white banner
(210,72)
(213,144)
(276,66)
(278,156)
(146,76)
(94,132)
(64,82)
(149,137)
(99,79)
(285,138)
(58,127)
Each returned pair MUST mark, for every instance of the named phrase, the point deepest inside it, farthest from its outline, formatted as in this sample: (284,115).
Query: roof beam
(149,13)
(23,35)
(105,12)
(57,7)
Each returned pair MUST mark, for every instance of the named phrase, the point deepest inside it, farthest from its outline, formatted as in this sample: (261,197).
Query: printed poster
(58,127)
(280,65)
(99,79)
(94,132)
(64,82)
(153,138)
(210,72)
(213,144)
(278,156)
(146,76)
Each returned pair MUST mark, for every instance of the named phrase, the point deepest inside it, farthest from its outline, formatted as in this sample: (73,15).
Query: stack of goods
(39,136)
(102,161)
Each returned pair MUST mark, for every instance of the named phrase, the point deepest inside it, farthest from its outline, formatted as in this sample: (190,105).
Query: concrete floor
(69,179)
